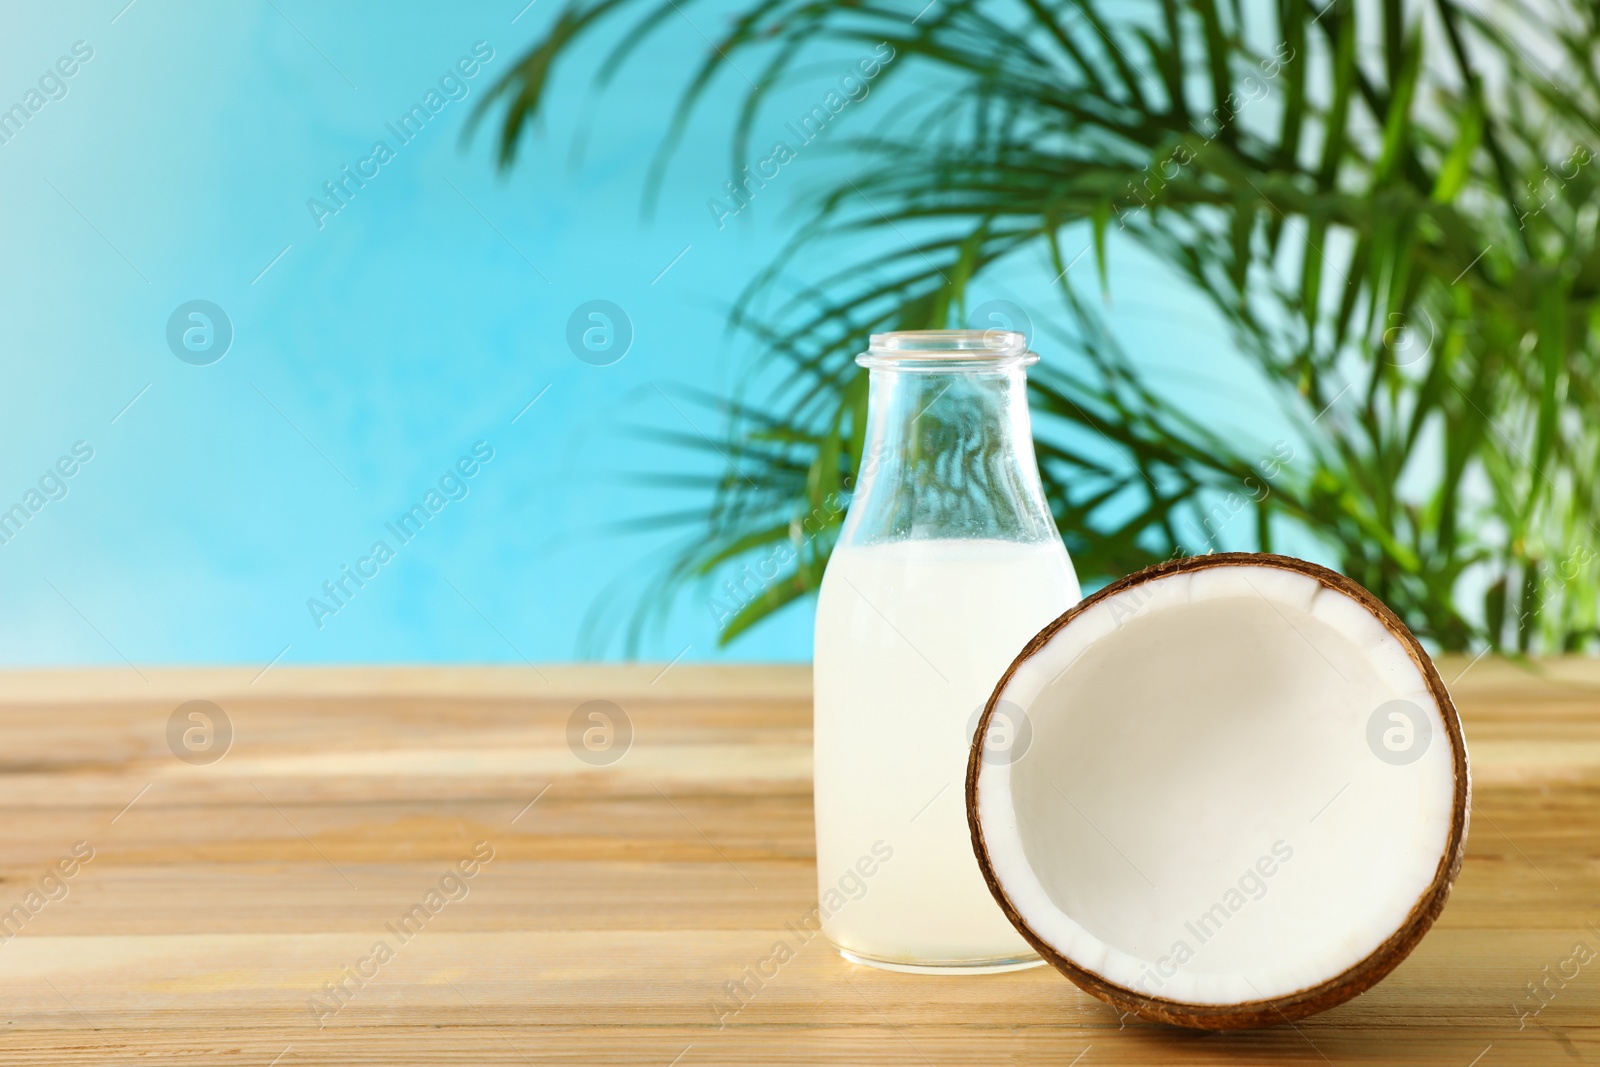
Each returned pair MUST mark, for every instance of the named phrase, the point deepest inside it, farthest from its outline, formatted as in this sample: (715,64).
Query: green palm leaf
(1406,259)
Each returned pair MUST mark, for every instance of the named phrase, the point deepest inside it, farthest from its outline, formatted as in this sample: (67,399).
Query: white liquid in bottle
(912,637)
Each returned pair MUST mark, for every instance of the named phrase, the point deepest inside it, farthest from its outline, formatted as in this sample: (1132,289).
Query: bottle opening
(947,350)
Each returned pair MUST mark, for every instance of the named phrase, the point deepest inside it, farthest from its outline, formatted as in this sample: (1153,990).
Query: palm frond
(1406,257)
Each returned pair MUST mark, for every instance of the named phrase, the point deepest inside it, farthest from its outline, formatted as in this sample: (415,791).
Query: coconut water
(912,636)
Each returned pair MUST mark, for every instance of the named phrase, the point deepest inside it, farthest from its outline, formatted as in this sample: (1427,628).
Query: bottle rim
(947,350)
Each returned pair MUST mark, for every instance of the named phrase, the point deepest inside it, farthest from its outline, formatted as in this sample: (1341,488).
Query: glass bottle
(947,564)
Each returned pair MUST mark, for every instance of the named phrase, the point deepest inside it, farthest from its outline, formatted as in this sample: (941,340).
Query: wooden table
(621,899)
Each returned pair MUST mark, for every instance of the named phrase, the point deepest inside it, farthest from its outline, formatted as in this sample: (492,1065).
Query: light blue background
(378,348)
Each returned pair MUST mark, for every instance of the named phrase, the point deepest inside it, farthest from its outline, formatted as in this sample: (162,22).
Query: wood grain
(618,906)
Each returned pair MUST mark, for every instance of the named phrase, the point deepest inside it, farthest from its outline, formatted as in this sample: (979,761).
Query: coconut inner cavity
(1204,811)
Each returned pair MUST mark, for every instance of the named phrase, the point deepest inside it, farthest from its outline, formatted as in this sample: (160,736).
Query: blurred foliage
(1391,205)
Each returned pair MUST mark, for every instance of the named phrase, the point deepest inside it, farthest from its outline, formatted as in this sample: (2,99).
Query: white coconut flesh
(1204,813)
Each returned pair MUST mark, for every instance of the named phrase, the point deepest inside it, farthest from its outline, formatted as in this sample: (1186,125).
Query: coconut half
(1228,791)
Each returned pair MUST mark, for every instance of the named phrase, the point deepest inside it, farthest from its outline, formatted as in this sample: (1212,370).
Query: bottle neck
(948,454)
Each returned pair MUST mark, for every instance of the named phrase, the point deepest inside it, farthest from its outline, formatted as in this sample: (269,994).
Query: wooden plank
(620,901)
